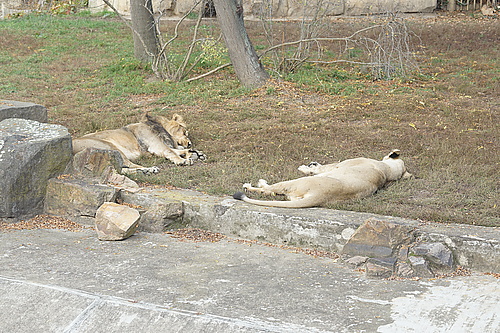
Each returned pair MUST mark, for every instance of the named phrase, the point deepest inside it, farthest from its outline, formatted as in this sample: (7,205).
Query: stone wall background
(287,8)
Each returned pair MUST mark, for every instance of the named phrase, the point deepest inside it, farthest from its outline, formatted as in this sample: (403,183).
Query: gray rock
(380,267)
(158,211)
(436,253)
(76,198)
(356,261)
(420,267)
(439,258)
(100,163)
(116,222)
(403,267)
(376,238)
(122,182)
(23,110)
(404,270)
(30,154)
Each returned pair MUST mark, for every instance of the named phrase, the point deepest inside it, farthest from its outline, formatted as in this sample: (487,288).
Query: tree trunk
(452,5)
(144,26)
(241,51)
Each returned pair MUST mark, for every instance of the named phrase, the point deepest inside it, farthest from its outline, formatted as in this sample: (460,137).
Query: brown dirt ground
(446,126)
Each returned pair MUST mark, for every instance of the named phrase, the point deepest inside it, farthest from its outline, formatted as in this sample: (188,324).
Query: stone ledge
(473,247)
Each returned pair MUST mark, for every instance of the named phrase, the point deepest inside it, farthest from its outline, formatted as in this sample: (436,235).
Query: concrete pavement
(62,281)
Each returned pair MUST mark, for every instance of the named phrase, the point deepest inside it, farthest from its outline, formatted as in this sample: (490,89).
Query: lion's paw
(197,155)
(309,169)
(303,168)
(187,161)
(261,183)
(150,171)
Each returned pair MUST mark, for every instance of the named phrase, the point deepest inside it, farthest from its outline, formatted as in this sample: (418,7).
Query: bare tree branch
(208,73)
(181,73)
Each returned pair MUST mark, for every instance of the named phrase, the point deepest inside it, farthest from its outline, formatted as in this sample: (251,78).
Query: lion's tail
(302,203)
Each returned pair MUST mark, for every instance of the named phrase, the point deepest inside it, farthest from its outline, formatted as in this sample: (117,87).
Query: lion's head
(396,165)
(176,127)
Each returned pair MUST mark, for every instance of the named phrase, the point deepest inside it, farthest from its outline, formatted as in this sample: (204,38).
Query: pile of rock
(38,174)
(89,192)
(93,180)
(388,249)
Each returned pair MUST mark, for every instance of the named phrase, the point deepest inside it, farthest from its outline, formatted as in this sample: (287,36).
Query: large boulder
(30,154)
(24,110)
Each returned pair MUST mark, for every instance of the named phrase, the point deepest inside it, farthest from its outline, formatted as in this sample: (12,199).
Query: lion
(156,135)
(350,179)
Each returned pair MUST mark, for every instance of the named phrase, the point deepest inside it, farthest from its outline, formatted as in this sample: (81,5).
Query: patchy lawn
(444,120)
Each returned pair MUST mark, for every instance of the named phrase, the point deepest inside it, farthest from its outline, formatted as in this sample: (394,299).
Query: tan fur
(351,179)
(157,135)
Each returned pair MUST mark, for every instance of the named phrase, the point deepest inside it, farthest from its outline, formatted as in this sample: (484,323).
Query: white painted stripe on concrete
(248,325)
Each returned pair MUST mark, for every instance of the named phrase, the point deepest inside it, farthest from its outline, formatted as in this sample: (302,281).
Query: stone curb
(473,247)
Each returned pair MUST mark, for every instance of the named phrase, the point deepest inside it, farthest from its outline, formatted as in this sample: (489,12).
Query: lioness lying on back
(349,179)
(156,135)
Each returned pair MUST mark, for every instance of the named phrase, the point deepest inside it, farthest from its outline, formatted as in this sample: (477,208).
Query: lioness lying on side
(156,135)
(350,179)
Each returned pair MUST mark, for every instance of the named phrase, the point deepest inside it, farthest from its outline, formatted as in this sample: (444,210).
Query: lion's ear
(394,154)
(178,118)
(146,117)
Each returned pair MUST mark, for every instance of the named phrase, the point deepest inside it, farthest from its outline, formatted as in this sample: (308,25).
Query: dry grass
(42,222)
(445,120)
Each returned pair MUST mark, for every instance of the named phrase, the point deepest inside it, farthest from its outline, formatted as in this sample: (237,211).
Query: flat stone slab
(76,198)
(474,247)
(24,110)
(61,281)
